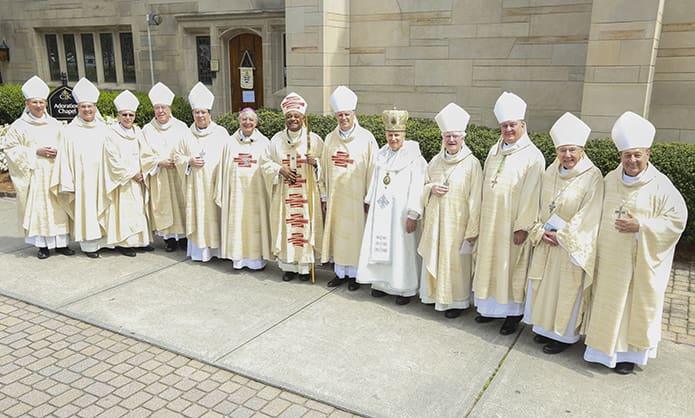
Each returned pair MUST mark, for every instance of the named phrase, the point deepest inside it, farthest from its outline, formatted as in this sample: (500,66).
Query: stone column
(621,57)
(317,45)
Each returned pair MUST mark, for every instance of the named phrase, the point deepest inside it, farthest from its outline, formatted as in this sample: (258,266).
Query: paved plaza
(160,335)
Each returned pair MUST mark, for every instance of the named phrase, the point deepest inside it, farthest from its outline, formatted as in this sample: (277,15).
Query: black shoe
(352,284)
(510,325)
(336,281)
(453,313)
(555,347)
(484,319)
(288,275)
(43,253)
(171,245)
(378,293)
(402,300)
(304,277)
(540,339)
(183,243)
(126,251)
(147,248)
(624,367)
(91,254)
(65,251)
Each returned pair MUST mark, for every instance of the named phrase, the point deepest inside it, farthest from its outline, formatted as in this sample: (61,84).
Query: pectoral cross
(493,183)
(552,206)
(621,211)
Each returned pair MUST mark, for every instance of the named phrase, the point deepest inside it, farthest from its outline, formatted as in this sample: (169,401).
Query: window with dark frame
(53,57)
(127,56)
(203,53)
(70,57)
(89,57)
(108,57)
(85,46)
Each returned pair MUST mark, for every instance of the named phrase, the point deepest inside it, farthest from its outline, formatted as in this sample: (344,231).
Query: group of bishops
(562,248)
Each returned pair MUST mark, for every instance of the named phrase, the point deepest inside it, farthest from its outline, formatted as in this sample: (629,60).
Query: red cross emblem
(297,220)
(342,159)
(296,200)
(297,239)
(245,160)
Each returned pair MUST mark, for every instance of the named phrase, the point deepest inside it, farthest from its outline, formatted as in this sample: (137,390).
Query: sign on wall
(61,104)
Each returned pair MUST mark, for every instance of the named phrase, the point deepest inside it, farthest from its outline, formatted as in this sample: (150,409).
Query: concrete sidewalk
(361,354)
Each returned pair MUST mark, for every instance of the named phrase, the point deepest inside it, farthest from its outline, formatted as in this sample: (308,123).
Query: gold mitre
(395,120)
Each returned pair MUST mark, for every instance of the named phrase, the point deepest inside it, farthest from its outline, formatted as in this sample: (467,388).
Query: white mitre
(453,118)
(85,92)
(632,131)
(201,97)
(509,106)
(569,130)
(161,94)
(35,88)
(126,101)
(343,99)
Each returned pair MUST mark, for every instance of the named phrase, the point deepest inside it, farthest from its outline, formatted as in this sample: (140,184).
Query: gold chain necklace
(387,177)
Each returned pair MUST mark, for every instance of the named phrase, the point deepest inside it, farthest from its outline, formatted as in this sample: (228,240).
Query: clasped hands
(440,189)
(291,173)
(169,163)
(627,224)
(196,162)
(550,237)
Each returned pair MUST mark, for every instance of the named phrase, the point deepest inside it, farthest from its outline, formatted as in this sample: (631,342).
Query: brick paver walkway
(679,304)
(52,365)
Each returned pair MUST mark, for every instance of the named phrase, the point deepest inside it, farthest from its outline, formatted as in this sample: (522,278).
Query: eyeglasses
(128,115)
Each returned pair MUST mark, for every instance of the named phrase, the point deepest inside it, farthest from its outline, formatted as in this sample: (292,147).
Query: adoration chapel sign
(61,104)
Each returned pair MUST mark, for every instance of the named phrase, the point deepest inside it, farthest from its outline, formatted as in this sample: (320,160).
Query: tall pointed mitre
(509,106)
(453,118)
(632,131)
(161,94)
(126,101)
(343,99)
(85,92)
(201,97)
(569,130)
(35,88)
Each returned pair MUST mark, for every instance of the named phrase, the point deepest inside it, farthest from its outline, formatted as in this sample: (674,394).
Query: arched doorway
(245,51)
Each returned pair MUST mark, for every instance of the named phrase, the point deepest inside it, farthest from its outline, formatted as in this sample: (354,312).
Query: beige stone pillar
(621,57)
(317,44)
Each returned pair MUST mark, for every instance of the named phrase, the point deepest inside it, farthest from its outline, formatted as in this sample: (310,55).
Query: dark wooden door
(245,49)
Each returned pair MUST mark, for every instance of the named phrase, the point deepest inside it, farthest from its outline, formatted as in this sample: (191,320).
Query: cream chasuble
(124,216)
(388,255)
(633,269)
(348,164)
(294,237)
(562,274)
(202,214)
(243,198)
(166,204)
(447,221)
(76,178)
(39,213)
(511,192)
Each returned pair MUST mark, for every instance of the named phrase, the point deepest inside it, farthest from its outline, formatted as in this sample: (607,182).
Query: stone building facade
(593,58)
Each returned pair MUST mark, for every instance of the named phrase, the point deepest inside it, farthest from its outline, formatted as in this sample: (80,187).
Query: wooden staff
(310,191)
